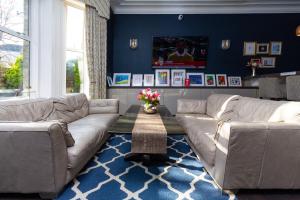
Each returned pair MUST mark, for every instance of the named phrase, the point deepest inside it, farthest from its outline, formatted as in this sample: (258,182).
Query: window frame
(27,38)
(81,6)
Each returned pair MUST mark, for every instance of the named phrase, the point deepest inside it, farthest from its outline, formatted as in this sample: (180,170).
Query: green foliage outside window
(73,77)
(13,76)
(77,81)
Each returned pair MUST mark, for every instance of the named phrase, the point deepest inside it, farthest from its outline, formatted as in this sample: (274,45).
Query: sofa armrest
(191,106)
(33,157)
(103,106)
(257,151)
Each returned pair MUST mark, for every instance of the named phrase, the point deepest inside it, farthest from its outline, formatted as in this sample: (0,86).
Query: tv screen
(180,52)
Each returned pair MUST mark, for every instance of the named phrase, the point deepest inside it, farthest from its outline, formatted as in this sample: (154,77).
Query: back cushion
(70,108)
(289,111)
(191,106)
(220,106)
(258,110)
(26,110)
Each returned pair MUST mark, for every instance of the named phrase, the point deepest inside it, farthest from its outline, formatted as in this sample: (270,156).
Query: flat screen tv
(180,52)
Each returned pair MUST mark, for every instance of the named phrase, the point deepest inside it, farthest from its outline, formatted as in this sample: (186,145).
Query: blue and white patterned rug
(108,176)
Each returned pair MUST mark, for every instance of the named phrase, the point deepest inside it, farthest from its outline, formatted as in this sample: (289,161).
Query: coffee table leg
(149,158)
(134,157)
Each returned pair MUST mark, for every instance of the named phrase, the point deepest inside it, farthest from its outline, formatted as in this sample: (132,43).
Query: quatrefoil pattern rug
(107,176)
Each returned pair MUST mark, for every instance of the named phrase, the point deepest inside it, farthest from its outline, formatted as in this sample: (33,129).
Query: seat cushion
(201,133)
(220,106)
(26,110)
(70,108)
(96,120)
(88,133)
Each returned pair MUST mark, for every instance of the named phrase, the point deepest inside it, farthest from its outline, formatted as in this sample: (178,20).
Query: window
(75,48)
(14,48)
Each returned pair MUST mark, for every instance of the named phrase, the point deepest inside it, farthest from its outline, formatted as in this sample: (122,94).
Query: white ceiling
(204,6)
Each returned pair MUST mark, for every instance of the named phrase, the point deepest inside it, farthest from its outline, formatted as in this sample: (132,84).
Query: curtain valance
(102,6)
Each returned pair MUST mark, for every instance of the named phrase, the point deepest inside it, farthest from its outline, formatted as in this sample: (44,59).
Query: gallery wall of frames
(173,78)
(262,55)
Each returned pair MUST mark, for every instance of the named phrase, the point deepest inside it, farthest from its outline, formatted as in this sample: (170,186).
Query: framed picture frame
(109,81)
(121,79)
(196,79)
(249,49)
(275,48)
(221,80)
(268,62)
(149,80)
(177,77)
(234,81)
(162,77)
(262,48)
(137,80)
(210,80)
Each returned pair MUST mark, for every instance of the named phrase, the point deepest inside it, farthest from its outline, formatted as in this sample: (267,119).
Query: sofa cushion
(258,110)
(191,106)
(88,133)
(100,106)
(70,108)
(86,138)
(26,110)
(96,120)
(202,132)
(287,112)
(220,106)
(183,119)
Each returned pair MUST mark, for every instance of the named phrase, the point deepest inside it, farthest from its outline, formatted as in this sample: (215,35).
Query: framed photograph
(249,48)
(221,80)
(275,48)
(177,77)
(137,80)
(109,81)
(234,81)
(210,80)
(121,79)
(149,80)
(162,77)
(268,62)
(262,48)
(196,79)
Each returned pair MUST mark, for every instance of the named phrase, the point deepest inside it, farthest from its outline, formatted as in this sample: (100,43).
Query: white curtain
(96,44)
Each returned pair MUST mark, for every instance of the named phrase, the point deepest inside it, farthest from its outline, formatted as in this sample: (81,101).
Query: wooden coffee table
(149,131)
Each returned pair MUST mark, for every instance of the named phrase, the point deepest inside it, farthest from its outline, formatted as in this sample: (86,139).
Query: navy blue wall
(237,28)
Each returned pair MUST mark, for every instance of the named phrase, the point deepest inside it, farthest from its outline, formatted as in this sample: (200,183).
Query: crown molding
(204,6)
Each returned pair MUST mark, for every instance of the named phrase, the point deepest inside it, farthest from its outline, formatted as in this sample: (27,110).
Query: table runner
(149,134)
(126,122)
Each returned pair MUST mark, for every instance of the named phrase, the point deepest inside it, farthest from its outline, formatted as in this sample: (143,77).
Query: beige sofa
(245,143)
(34,152)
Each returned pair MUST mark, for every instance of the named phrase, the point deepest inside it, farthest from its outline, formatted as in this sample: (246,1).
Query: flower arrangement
(254,64)
(150,98)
